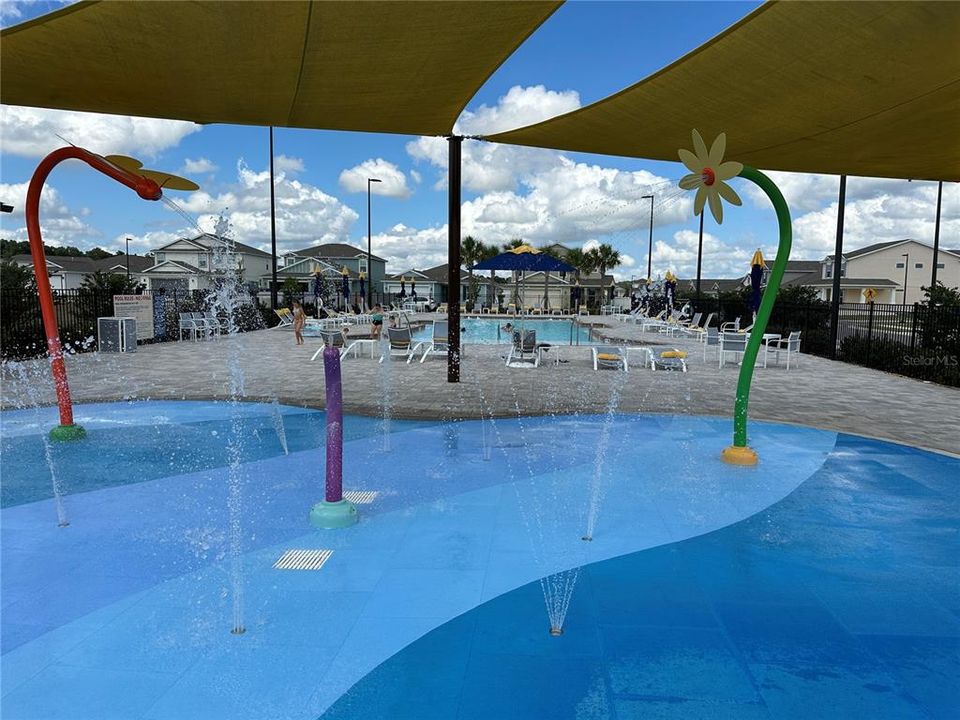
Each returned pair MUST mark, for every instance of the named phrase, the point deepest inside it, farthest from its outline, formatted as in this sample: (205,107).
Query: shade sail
(859,88)
(524,258)
(394,67)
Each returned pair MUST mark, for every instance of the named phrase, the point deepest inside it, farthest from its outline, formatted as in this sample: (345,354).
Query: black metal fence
(919,341)
(21,324)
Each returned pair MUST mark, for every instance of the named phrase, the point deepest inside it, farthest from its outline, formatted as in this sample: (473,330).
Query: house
(888,268)
(68,272)
(192,263)
(329,255)
(433,283)
(541,289)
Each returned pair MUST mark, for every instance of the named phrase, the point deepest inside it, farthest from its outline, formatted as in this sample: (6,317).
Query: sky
(583,53)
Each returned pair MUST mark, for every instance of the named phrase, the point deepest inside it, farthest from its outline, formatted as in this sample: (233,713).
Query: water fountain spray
(148,184)
(333,511)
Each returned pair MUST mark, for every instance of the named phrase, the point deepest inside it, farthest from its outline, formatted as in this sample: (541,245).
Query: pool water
(821,584)
(489,332)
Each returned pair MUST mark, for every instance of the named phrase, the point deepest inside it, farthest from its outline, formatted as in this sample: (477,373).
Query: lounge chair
(438,342)
(789,345)
(221,325)
(609,356)
(700,331)
(524,352)
(286,318)
(401,344)
(656,322)
(670,360)
(330,337)
(730,326)
(711,339)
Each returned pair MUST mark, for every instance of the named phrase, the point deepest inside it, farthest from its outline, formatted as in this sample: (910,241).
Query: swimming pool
(820,584)
(485,331)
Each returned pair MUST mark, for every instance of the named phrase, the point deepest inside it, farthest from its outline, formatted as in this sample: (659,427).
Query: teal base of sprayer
(331,515)
(67,433)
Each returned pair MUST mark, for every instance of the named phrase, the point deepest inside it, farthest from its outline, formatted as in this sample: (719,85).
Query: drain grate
(360,497)
(303,559)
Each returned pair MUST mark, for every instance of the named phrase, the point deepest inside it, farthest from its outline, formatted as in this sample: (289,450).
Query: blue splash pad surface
(126,613)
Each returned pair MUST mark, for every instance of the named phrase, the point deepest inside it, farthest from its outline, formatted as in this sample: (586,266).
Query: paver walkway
(819,393)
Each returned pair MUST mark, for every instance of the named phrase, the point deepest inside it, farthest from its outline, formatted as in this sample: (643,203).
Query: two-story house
(191,263)
(298,264)
(68,272)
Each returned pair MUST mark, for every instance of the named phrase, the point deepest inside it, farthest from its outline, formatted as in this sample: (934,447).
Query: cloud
(305,215)
(32,132)
(404,247)
(393,183)
(521,106)
(59,224)
(292,165)
(200,166)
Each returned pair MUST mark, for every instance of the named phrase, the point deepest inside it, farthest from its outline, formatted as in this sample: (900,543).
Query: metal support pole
(936,239)
(128,260)
(906,268)
(837,266)
(273,232)
(453,260)
(650,246)
(699,258)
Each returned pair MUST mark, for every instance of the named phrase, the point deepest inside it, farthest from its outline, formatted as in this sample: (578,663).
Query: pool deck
(819,393)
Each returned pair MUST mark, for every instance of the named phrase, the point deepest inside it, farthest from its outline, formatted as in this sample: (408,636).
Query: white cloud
(393,183)
(59,224)
(305,215)
(200,166)
(292,165)
(32,132)
(404,247)
(521,106)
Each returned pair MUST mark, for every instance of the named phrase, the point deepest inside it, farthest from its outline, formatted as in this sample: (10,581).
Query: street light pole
(936,240)
(128,260)
(273,232)
(369,260)
(650,246)
(906,267)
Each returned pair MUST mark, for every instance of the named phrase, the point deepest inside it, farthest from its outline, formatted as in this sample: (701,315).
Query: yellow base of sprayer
(739,455)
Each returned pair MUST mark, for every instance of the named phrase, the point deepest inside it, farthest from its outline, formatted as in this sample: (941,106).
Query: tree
(488,252)
(15,277)
(582,261)
(604,258)
(546,277)
(98,253)
(110,284)
(515,276)
(799,295)
(471,252)
(941,295)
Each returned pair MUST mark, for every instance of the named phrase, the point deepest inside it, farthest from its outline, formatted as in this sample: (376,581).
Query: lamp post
(650,246)
(369,263)
(128,260)
(906,267)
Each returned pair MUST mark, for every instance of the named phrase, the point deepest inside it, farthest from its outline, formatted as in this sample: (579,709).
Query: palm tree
(604,258)
(510,245)
(487,252)
(471,252)
(546,275)
(581,261)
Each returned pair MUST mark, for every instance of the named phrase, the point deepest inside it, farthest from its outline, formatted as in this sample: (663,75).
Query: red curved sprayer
(145,187)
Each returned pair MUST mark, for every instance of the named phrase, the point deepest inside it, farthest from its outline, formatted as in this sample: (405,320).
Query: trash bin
(117,334)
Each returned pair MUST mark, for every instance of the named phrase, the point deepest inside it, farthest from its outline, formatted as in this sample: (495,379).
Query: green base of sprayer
(331,515)
(67,433)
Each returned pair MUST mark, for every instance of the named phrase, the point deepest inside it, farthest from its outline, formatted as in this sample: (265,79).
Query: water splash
(597,487)
(278,426)
(386,397)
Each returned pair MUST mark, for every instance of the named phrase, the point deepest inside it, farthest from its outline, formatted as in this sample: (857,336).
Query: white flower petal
(728,170)
(728,193)
(693,163)
(700,148)
(716,207)
(717,150)
(700,199)
(691,181)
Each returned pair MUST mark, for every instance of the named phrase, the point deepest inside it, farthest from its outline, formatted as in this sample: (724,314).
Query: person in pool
(376,322)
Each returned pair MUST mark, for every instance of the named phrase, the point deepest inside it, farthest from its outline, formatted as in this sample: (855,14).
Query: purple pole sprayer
(334,511)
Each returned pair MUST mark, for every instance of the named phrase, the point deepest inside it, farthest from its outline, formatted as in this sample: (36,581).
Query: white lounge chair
(401,344)
(674,359)
(610,356)
(524,352)
(437,345)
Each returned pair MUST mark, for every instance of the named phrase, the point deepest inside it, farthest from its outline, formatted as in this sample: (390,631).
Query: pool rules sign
(139,307)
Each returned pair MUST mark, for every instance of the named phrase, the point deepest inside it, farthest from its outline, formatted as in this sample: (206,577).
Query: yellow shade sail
(859,88)
(394,67)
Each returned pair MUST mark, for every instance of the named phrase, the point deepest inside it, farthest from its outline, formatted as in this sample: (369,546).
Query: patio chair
(609,356)
(674,359)
(732,342)
(286,318)
(730,326)
(789,346)
(700,331)
(330,337)
(187,324)
(711,339)
(221,325)
(655,322)
(524,352)
(437,345)
(401,344)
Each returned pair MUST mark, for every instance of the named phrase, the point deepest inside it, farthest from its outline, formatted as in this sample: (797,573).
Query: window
(363,264)
(899,266)
(919,266)
(843,272)
(829,272)
(939,266)
(161,257)
(203,262)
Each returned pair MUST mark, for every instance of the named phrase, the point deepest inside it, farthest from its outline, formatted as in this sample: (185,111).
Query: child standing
(299,320)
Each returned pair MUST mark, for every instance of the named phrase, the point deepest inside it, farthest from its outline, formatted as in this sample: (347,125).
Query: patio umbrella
(575,295)
(403,287)
(670,288)
(413,288)
(363,292)
(757,266)
(346,288)
(317,288)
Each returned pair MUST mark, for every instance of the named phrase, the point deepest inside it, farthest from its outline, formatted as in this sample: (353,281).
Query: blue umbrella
(524,259)
(403,287)
(363,282)
(346,288)
(757,266)
(670,288)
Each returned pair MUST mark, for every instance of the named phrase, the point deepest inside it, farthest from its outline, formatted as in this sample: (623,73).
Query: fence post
(913,328)
(870,331)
